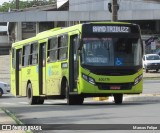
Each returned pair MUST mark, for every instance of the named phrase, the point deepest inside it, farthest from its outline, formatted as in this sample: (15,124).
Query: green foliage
(23,4)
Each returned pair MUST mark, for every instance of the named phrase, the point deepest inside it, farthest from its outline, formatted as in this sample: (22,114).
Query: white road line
(4,103)
(55,101)
(23,102)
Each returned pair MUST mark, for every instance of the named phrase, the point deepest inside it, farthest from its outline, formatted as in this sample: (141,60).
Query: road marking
(4,103)
(55,101)
(23,102)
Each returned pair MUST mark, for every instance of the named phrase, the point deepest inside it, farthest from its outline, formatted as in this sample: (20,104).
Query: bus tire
(40,100)
(73,99)
(118,98)
(70,98)
(1,92)
(79,99)
(31,99)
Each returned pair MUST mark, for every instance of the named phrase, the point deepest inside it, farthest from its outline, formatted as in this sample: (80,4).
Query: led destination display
(111,29)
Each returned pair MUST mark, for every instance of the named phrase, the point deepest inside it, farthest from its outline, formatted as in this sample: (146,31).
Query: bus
(96,59)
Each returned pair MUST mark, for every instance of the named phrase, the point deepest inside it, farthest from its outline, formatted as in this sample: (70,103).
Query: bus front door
(42,68)
(73,63)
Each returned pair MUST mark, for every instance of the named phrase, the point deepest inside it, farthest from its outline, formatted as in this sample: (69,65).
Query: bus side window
(34,54)
(26,54)
(52,49)
(63,47)
(20,56)
(75,44)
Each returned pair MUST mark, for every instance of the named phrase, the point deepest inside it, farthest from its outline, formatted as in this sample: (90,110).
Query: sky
(2,1)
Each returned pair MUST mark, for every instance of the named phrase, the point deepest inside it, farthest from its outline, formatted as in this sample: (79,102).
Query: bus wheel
(40,100)
(70,98)
(31,99)
(73,99)
(79,99)
(1,92)
(118,98)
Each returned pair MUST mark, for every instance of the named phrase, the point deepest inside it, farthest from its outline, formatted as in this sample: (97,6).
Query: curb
(142,98)
(10,114)
(133,98)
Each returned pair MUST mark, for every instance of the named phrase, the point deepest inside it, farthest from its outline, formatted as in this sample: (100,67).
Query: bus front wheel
(118,98)
(73,99)
(40,100)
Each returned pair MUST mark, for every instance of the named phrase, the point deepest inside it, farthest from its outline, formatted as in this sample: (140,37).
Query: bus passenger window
(52,49)
(63,47)
(34,54)
(26,54)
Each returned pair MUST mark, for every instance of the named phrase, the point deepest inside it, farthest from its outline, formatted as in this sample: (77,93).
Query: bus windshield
(111,51)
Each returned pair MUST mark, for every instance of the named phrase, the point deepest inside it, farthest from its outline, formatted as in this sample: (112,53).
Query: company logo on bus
(111,29)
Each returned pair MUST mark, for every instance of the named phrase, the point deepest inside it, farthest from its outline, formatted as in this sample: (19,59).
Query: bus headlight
(138,79)
(88,79)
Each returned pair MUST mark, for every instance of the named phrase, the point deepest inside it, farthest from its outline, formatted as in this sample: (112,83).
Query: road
(92,112)
(151,87)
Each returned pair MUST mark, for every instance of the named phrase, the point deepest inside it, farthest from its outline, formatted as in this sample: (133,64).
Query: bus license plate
(115,87)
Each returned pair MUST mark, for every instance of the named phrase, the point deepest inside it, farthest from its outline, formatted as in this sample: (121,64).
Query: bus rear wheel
(118,98)
(31,99)
(73,99)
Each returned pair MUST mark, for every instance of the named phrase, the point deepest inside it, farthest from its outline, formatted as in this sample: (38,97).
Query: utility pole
(17,4)
(114,10)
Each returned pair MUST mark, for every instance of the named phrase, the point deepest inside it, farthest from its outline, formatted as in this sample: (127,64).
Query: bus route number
(28,71)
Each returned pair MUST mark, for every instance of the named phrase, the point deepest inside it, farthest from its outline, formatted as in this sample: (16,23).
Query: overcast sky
(2,1)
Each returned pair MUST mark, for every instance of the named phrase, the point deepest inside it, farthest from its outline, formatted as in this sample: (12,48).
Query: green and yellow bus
(95,59)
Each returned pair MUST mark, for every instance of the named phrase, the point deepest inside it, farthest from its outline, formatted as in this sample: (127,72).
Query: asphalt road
(92,112)
(151,87)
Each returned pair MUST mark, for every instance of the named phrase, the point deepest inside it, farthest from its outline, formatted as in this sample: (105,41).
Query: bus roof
(59,30)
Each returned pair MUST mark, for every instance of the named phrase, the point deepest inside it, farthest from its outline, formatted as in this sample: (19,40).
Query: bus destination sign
(111,29)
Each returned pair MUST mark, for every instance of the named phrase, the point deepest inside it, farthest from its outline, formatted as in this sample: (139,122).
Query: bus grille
(108,86)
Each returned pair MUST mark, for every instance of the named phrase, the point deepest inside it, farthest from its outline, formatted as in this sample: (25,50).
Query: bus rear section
(110,60)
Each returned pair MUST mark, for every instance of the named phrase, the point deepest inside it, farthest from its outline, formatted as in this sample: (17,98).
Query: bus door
(42,68)
(73,62)
(18,72)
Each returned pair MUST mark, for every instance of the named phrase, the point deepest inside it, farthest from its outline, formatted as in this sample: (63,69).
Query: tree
(23,4)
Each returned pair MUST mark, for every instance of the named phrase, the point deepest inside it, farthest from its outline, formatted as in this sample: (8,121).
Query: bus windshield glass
(111,51)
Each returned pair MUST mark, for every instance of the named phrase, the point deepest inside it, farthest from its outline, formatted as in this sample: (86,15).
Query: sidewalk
(151,74)
(5,119)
